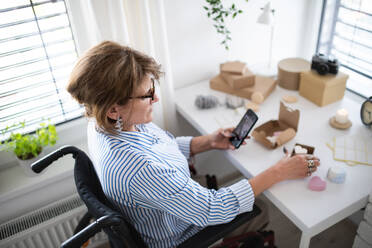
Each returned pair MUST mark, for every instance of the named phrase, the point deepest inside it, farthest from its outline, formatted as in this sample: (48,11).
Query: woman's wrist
(276,173)
(265,180)
(209,141)
(201,144)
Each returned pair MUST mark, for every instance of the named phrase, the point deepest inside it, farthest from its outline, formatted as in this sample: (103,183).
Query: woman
(143,169)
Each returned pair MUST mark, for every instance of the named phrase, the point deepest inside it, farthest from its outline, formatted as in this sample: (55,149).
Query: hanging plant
(219,13)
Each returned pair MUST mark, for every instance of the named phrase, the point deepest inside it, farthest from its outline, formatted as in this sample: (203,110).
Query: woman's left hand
(220,139)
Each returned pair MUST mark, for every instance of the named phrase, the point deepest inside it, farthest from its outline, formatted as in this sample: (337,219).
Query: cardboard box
(234,67)
(287,124)
(263,85)
(310,149)
(247,79)
(322,90)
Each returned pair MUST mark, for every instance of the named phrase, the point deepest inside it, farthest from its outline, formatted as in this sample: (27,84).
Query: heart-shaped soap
(299,150)
(317,184)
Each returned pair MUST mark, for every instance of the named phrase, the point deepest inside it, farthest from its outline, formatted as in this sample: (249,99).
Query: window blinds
(37,53)
(346,33)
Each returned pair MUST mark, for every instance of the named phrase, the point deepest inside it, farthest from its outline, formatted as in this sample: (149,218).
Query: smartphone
(242,129)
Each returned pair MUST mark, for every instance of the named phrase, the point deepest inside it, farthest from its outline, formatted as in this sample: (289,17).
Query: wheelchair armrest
(48,159)
(81,237)
(211,234)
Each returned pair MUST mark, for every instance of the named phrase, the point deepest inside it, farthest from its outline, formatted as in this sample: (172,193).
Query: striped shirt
(146,175)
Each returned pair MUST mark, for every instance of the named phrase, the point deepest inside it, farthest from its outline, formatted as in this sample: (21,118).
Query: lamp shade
(266,17)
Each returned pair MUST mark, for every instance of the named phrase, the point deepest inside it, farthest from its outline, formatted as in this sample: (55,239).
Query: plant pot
(26,165)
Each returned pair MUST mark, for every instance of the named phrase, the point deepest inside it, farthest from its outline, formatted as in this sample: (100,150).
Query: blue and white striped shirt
(146,175)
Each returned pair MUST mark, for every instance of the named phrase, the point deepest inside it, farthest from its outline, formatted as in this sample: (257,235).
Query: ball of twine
(233,102)
(206,102)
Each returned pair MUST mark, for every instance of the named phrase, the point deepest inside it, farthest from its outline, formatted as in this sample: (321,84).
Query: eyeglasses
(151,95)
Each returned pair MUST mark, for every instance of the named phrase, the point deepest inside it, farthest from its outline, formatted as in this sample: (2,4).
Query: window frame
(334,20)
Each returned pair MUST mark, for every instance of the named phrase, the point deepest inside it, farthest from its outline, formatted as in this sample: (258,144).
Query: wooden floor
(287,235)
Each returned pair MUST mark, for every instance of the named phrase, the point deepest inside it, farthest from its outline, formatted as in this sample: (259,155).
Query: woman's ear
(113,113)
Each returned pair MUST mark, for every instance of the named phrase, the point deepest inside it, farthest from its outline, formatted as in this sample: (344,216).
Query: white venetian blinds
(37,52)
(346,33)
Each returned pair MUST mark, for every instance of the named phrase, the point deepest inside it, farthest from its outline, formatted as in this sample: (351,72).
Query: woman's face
(139,108)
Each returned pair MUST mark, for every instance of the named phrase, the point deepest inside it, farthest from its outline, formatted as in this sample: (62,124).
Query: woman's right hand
(298,166)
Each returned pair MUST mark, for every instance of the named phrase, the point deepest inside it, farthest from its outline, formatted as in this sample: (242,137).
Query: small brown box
(234,67)
(263,85)
(287,123)
(322,90)
(239,81)
(310,149)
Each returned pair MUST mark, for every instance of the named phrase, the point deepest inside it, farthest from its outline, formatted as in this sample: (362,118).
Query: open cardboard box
(286,124)
(310,149)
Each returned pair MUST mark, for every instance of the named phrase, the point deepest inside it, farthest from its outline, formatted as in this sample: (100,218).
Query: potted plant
(27,147)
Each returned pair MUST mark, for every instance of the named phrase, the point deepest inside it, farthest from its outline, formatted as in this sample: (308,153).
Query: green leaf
(26,146)
(218,13)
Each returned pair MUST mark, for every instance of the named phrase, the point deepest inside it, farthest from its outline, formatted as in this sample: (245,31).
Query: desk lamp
(267,18)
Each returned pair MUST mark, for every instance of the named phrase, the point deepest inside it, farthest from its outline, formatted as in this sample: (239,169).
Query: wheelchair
(102,215)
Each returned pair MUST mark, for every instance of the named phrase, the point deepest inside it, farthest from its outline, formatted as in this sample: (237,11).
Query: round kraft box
(289,72)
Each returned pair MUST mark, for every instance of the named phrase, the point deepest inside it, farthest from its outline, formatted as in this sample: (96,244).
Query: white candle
(342,116)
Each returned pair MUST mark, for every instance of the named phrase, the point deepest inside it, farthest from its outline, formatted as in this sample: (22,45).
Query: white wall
(194,44)
(195,50)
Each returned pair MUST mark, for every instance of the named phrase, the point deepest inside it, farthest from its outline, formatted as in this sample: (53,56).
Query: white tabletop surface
(311,211)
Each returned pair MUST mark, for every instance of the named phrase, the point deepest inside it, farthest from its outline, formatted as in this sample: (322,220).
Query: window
(346,33)
(37,53)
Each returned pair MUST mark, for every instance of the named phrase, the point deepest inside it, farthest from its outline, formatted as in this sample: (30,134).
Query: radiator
(47,227)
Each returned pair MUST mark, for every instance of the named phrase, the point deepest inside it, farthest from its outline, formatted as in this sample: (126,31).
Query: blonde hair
(106,74)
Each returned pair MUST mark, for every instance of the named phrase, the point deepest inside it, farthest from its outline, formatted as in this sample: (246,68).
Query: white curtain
(138,24)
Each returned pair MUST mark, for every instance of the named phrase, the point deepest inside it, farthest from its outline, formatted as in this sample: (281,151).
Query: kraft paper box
(289,72)
(264,85)
(234,67)
(322,90)
(310,149)
(236,81)
(286,124)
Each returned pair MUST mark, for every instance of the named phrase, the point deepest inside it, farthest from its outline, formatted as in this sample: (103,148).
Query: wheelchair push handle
(81,237)
(45,161)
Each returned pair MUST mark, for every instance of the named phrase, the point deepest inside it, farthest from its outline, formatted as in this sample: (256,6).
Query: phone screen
(245,125)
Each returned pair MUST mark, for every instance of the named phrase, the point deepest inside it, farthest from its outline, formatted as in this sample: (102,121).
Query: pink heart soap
(317,184)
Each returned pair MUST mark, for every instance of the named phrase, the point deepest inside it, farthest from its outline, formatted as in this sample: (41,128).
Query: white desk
(310,211)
